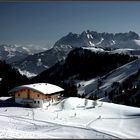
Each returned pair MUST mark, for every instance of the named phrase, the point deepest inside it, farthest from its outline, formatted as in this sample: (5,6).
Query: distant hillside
(127,92)
(41,61)
(82,64)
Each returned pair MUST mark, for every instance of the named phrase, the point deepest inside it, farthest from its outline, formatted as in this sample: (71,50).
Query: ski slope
(118,75)
(71,118)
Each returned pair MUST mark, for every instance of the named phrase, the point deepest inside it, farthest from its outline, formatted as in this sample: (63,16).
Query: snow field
(71,118)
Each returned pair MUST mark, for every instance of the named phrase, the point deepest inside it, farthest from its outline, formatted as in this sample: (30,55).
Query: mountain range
(12,53)
(95,39)
(30,60)
(39,62)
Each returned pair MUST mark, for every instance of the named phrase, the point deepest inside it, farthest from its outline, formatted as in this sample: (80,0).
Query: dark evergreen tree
(10,78)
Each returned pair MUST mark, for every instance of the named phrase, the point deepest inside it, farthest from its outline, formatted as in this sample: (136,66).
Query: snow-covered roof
(44,88)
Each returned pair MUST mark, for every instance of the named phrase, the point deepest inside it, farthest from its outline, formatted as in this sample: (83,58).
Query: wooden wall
(28,93)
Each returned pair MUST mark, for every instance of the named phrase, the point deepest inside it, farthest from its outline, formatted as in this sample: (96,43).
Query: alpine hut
(36,95)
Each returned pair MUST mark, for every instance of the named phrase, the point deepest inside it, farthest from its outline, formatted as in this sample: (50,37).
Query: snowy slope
(131,52)
(71,118)
(26,73)
(118,75)
(132,44)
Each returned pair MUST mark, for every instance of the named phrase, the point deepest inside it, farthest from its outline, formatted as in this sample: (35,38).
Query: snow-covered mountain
(12,53)
(71,118)
(41,61)
(103,40)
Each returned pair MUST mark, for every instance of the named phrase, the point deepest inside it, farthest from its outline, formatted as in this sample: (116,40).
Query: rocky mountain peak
(92,38)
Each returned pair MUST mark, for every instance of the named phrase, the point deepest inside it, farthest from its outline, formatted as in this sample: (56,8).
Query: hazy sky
(43,23)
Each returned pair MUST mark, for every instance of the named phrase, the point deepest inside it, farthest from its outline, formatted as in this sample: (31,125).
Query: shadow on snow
(10,102)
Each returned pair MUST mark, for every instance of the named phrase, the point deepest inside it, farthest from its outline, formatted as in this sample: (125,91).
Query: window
(38,95)
(18,94)
(35,102)
(38,102)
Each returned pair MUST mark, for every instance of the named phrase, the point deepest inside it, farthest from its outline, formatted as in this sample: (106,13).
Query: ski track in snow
(50,125)
(75,120)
